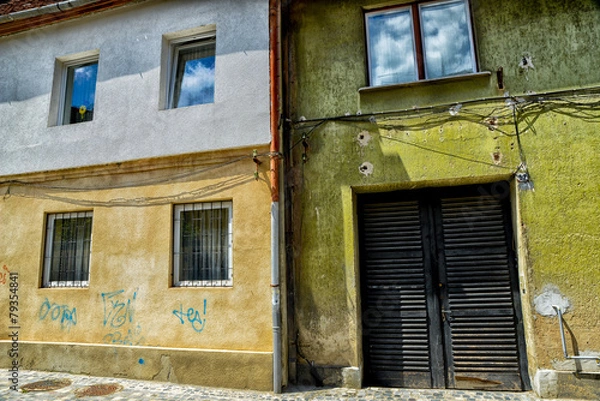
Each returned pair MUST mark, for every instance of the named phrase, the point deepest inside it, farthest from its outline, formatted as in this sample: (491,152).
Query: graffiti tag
(192,316)
(66,315)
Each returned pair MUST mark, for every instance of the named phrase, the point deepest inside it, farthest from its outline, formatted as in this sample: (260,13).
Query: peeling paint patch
(366,168)
(363,138)
(550,296)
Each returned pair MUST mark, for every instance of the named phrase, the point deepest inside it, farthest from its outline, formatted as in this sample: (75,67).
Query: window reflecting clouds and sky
(446,39)
(198,82)
(446,47)
(391,46)
(84,86)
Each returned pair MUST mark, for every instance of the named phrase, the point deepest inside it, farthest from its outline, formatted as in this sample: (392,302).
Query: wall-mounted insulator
(305,145)
(257,162)
(500,78)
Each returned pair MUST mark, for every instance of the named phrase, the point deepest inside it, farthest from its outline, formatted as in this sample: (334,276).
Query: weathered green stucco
(411,137)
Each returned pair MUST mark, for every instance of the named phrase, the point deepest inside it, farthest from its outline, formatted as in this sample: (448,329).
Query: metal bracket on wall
(305,145)
(564,341)
(258,163)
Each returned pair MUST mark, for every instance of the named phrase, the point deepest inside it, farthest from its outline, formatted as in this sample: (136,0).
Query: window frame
(66,88)
(177,254)
(49,247)
(58,104)
(172,45)
(414,9)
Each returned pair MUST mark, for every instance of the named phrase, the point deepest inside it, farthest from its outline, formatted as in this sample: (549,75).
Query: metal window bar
(68,248)
(203,245)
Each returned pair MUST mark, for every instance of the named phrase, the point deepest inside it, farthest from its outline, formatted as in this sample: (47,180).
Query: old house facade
(444,194)
(136,217)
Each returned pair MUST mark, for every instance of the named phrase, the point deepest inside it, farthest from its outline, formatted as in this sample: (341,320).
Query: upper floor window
(425,40)
(80,92)
(188,65)
(194,75)
(67,249)
(74,90)
(203,242)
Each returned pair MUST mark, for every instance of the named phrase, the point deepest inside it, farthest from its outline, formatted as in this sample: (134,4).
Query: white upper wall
(128,123)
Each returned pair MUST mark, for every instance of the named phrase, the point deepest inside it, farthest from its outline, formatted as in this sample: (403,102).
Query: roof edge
(40,16)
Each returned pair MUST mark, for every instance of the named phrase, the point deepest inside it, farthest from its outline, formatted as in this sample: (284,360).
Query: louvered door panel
(480,320)
(395,324)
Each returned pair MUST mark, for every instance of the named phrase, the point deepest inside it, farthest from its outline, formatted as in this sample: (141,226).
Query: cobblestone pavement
(135,390)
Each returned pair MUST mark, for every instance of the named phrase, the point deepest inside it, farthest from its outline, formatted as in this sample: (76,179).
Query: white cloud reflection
(392,57)
(198,82)
(446,39)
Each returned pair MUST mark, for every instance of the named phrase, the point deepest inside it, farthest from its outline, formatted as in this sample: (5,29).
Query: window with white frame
(422,40)
(67,249)
(203,243)
(77,89)
(192,70)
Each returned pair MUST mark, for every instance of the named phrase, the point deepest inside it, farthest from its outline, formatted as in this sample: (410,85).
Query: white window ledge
(423,82)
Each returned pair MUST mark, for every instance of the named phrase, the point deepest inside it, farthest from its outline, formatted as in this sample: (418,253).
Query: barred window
(203,245)
(67,249)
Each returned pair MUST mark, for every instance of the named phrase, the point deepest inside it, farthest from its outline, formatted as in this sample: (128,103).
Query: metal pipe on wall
(274,167)
(564,341)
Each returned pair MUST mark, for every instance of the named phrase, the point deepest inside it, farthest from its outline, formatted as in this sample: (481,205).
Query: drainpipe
(275,156)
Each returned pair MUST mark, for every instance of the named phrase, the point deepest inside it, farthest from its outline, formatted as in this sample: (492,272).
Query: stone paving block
(135,390)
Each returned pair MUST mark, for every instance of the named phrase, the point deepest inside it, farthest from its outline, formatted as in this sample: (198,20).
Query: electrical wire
(149,181)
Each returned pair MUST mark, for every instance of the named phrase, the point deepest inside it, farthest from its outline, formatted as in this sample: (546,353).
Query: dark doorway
(440,300)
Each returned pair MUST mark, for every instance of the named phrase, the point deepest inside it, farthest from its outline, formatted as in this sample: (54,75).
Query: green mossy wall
(557,225)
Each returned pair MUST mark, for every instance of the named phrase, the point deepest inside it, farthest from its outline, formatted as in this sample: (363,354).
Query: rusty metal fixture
(98,389)
(46,385)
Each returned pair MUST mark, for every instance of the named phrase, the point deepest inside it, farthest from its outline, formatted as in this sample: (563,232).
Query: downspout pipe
(274,72)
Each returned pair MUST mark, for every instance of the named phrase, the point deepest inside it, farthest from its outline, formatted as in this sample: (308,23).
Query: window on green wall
(423,40)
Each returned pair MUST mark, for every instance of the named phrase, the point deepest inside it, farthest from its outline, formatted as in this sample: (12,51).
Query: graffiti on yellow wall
(63,314)
(119,318)
(192,316)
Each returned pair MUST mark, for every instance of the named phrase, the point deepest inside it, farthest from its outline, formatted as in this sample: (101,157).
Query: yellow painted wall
(130,300)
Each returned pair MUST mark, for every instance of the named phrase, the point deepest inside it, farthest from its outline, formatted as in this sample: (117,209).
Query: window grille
(203,245)
(67,249)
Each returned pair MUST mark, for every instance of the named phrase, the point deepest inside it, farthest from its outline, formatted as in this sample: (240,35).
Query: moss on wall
(427,143)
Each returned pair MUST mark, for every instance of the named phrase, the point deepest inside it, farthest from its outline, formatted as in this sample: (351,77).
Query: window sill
(424,82)
(81,285)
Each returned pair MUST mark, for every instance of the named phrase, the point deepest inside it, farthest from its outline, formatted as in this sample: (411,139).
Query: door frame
(523,312)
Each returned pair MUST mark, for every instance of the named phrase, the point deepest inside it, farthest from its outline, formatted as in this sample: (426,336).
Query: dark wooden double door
(439,289)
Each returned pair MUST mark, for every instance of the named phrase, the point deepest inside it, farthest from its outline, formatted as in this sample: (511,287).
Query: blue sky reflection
(198,82)
(84,86)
